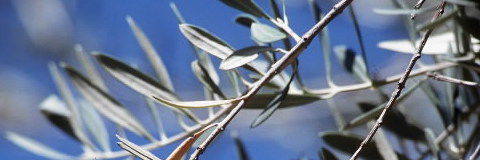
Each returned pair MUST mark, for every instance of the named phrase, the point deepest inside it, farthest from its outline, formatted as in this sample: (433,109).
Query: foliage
(454,50)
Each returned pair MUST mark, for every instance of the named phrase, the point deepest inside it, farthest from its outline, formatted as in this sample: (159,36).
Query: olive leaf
(348,143)
(135,149)
(204,77)
(438,22)
(152,54)
(243,56)
(247,6)
(241,149)
(36,147)
(197,104)
(105,104)
(95,125)
(246,20)
(259,101)
(206,41)
(266,34)
(55,110)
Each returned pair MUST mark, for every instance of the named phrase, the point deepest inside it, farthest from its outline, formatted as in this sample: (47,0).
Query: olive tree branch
(401,85)
(275,68)
(443,78)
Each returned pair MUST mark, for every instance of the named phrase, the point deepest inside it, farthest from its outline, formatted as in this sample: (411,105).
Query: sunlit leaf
(135,149)
(203,76)
(247,6)
(152,54)
(196,104)
(243,56)
(95,124)
(266,34)
(180,151)
(246,20)
(430,136)
(206,41)
(36,147)
(156,117)
(177,13)
(395,11)
(105,103)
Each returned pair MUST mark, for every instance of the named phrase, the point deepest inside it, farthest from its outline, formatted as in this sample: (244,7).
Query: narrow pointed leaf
(430,136)
(247,6)
(156,117)
(259,101)
(241,149)
(246,20)
(139,82)
(177,13)
(57,113)
(152,55)
(266,34)
(348,143)
(204,77)
(106,104)
(206,41)
(95,124)
(394,11)
(88,66)
(373,113)
(196,104)
(135,149)
(36,147)
(275,103)
(243,56)
(180,151)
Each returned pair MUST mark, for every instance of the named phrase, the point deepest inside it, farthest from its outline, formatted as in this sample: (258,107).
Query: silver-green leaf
(266,34)
(243,56)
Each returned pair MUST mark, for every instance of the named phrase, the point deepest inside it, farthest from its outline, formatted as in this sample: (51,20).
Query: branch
(275,68)
(443,78)
(401,85)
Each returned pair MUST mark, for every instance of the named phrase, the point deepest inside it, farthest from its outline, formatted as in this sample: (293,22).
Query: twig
(418,5)
(275,68)
(440,77)
(401,85)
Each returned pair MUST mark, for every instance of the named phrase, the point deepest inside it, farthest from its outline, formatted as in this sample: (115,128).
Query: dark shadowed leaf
(243,56)
(57,113)
(266,34)
(135,149)
(349,143)
(203,76)
(470,25)
(247,6)
(397,123)
(327,155)
(373,113)
(105,103)
(36,147)
(152,54)
(259,101)
(241,149)
(246,20)
(206,41)
(352,62)
(275,103)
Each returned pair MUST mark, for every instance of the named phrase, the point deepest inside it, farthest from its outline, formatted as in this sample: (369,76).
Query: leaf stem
(401,85)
